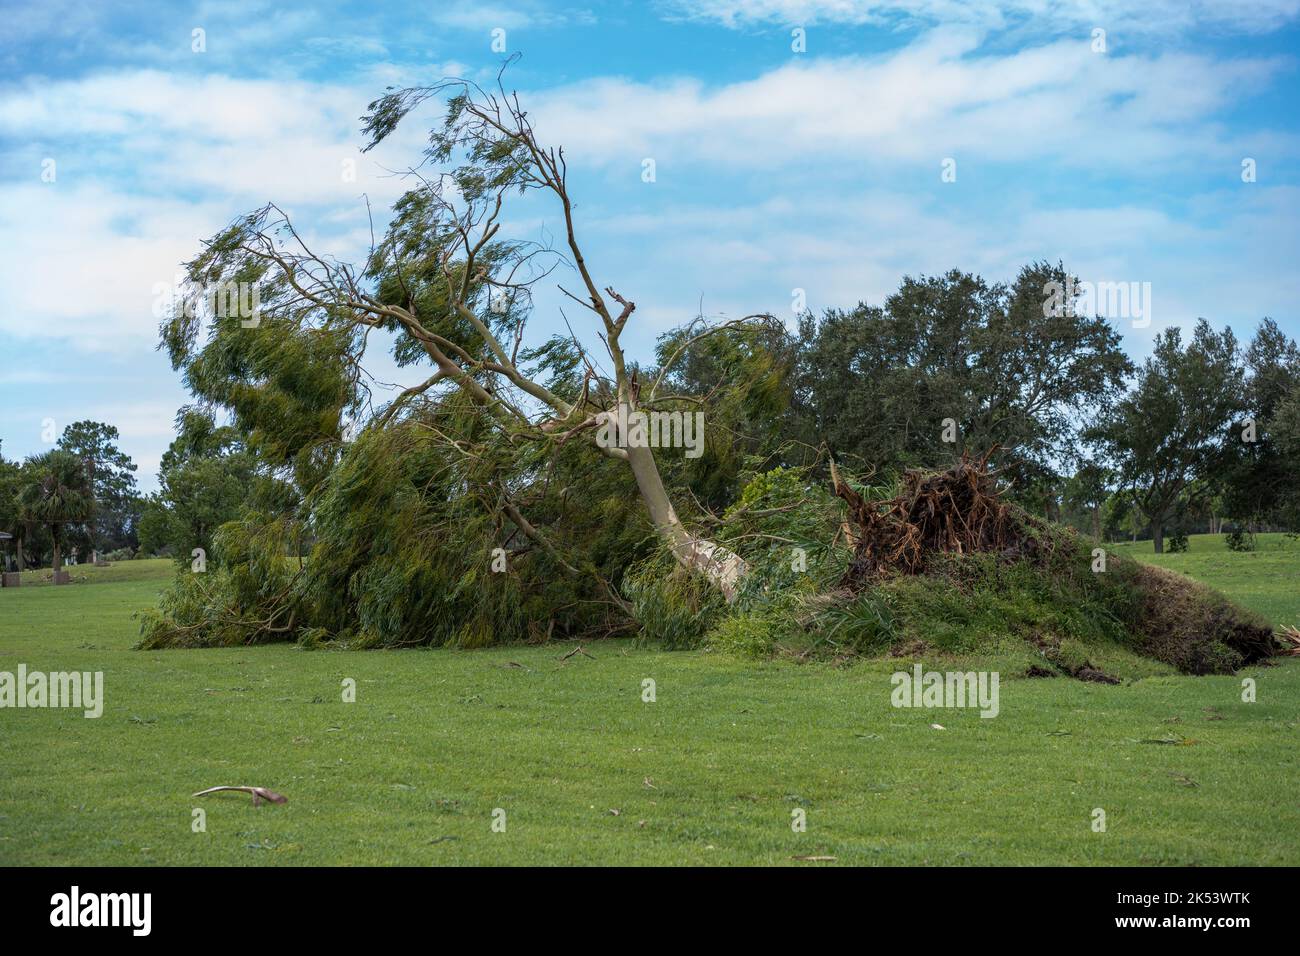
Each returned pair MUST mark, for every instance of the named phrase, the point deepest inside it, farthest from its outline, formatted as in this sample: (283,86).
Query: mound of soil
(1191,627)
(958,511)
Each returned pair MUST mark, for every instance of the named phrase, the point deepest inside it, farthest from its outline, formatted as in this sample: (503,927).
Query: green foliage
(403,536)
(401,559)
(674,609)
(738,373)
(1173,427)
(246,596)
(877,383)
(112,476)
(56,492)
(11,482)
(863,623)
(1259,477)
(785,524)
(750,634)
(782,524)
(207,478)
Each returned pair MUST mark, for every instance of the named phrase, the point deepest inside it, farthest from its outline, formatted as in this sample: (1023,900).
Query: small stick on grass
(259,794)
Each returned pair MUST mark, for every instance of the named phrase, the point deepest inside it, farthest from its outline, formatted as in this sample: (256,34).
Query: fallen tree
(458,294)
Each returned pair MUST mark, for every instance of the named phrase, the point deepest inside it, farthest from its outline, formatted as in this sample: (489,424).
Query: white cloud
(486,16)
(74,275)
(148,165)
(929,100)
(1155,16)
(229,137)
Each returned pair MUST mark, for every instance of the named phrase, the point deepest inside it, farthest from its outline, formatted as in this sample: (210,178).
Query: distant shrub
(1238,540)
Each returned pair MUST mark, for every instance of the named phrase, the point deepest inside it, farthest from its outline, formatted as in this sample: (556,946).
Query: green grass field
(587,772)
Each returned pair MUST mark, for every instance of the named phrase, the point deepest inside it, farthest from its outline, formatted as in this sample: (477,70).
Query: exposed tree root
(958,511)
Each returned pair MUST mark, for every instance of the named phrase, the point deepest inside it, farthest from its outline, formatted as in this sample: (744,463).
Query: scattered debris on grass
(1290,638)
(1086,672)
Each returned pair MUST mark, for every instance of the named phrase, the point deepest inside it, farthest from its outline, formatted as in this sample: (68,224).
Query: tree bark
(56,558)
(1158,536)
(722,567)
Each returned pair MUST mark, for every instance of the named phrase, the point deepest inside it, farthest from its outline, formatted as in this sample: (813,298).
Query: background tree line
(76,501)
(1203,433)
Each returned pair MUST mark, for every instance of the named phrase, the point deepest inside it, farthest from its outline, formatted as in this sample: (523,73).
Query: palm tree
(22,532)
(57,493)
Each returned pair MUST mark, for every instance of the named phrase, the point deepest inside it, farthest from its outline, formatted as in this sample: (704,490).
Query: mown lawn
(587,772)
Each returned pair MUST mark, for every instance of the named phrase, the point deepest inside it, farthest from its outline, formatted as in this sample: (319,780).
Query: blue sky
(775,170)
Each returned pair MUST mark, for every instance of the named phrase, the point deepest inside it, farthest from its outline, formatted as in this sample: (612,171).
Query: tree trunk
(56,559)
(19,543)
(1096,522)
(721,566)
(1158,536)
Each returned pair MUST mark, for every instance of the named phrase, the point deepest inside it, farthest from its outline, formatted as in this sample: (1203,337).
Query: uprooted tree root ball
(958,511)
(947,526)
